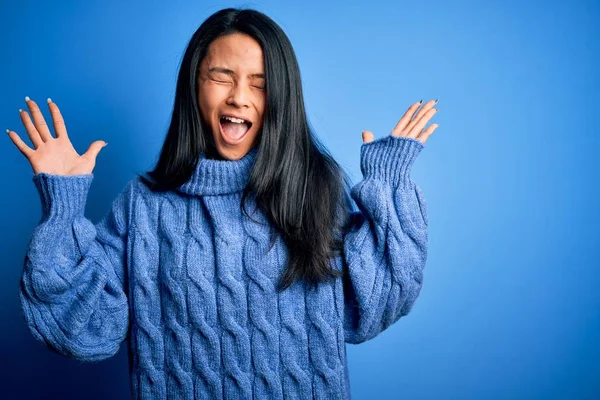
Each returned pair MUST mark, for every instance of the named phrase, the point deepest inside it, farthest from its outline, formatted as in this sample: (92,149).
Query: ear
(367,137)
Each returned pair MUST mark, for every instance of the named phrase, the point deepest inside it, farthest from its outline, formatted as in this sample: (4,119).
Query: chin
(236,151)
(232,154)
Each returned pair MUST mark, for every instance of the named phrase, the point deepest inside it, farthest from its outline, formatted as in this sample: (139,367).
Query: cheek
(261,107)
(205,104)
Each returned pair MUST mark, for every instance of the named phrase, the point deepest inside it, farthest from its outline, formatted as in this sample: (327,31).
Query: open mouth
(233,132)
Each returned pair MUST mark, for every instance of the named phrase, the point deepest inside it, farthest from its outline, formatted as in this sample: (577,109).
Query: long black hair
(301,189)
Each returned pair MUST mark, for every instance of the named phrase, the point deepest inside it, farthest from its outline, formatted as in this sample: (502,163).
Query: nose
(239,95)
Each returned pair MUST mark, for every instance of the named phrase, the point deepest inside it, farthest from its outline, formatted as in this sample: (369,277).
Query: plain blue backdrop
(510,307)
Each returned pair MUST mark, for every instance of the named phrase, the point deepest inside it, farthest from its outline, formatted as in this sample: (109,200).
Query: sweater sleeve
(72,287)
(385,244)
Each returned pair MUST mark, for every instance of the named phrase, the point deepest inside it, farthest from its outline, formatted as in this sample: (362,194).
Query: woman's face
(231,83)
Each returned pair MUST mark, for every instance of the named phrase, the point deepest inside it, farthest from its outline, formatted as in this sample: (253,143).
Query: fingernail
(436,100)
(49,100)
(421,102)
(7,131)
(27,98)
(105,144)
(20,110)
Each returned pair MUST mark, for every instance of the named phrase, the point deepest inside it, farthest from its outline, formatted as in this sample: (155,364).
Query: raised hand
(53,155)
(412,127)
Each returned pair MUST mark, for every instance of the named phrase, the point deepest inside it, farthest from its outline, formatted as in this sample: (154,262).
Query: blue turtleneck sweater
(189,281)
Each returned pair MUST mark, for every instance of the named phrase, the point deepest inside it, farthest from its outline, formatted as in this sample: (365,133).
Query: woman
(237,267)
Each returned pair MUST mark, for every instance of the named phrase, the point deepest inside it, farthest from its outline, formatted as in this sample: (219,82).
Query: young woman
(237,267)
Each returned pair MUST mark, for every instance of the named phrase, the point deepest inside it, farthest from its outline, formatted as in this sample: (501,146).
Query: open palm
(53,155)
(412,123)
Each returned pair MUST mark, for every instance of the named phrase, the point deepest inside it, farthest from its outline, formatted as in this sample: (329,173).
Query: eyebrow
(230,72)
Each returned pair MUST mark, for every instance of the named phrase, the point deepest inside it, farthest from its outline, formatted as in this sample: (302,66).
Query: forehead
(235,51)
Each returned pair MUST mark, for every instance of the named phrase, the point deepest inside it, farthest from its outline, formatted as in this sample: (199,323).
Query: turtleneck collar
(214,177)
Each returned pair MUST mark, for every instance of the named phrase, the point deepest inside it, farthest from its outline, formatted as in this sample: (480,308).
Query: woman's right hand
(53,155)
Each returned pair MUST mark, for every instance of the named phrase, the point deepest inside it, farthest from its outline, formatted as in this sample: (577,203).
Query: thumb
(94,149)
(367,137)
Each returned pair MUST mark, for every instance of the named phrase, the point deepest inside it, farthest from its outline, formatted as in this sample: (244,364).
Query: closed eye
(216,80)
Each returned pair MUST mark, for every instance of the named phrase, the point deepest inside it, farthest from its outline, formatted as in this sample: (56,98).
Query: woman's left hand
(412,127)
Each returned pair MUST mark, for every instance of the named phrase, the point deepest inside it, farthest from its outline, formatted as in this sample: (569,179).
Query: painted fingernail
(49,100)
(7,131)
(436,100)
(20,110)
(27,98)
(421,102)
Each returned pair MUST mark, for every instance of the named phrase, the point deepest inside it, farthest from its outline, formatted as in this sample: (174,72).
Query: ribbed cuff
(390,159)
(62,196)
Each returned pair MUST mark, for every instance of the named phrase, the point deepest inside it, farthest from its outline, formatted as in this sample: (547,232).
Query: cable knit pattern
(189,282)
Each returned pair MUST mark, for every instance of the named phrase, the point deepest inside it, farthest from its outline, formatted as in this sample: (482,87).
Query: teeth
(236,120)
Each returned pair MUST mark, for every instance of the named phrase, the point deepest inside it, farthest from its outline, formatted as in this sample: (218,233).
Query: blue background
(510,306)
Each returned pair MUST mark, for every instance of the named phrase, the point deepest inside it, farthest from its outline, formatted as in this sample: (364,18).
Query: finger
(57,120)
(94,149)
(423,111)
(23,148)
(401,125)
(38,120)
(367,137)
(416,130)
(31,130)
(425,135)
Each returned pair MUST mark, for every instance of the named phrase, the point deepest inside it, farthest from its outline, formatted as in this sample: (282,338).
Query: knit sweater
(188,281)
